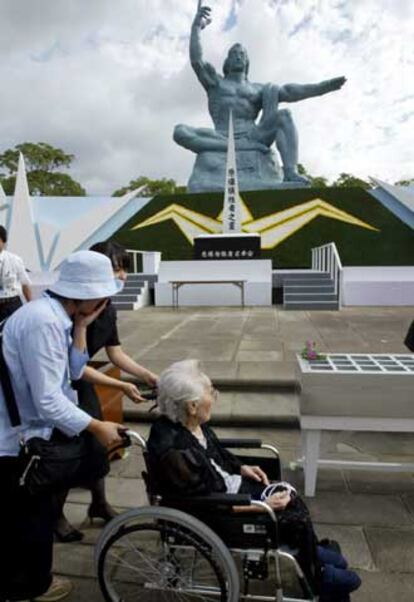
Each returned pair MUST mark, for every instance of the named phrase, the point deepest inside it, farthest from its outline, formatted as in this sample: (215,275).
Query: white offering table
(354,392)
(221,282)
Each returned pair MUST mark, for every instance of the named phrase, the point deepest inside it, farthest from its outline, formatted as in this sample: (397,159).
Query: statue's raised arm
(295,92)
(205,72)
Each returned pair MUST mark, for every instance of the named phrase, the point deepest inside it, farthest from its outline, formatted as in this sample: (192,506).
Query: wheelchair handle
(132,437)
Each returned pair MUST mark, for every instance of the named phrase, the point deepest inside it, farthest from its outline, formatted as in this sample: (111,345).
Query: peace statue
(258,121)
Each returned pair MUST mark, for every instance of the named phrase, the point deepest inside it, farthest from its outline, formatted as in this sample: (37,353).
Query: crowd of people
(48,400)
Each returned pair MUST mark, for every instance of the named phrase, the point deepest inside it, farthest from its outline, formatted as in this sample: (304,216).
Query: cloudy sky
(107,80)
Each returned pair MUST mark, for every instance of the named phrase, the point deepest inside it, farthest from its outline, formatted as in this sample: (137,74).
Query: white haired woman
(188,459)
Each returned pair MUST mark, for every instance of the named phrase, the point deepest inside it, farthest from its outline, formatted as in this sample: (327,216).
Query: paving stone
(84,590)
(73,559)
(256,355)
(359,509)
(262,404)
(397,444)
(328,480)
(353,544)
(392,549)
(260,344)
(380,482)
(264,371)
(409,503)
(384,587)
(127,493)
(219,370)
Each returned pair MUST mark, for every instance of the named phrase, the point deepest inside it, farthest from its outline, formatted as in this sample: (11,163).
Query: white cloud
(108,81)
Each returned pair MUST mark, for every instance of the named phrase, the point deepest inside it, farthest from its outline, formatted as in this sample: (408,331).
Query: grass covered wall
(370,234)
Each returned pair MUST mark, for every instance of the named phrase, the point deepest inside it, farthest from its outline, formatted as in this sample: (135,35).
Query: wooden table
(177,284)
(354,392)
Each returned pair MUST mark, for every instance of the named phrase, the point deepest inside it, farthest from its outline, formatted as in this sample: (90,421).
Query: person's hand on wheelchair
(255,473)
(279,500)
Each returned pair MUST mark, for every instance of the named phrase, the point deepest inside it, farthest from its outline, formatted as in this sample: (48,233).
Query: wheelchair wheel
(157,553)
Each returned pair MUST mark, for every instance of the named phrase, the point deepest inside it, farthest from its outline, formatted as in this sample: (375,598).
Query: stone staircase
(243,403)
(134,295)
(309,290)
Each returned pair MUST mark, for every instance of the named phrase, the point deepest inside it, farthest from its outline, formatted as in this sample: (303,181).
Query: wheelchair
(198,548)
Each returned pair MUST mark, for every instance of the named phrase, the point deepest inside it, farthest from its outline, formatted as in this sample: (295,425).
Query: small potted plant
(309,352)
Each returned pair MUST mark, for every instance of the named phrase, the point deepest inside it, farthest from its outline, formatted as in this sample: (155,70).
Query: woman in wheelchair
(188,460)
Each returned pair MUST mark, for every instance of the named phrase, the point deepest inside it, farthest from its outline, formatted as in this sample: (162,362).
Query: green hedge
(393,244)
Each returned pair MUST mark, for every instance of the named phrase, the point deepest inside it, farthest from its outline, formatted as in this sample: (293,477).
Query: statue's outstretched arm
(204,71)
(295,92)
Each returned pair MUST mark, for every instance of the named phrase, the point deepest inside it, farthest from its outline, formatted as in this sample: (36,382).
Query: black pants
(26,529)
(296,530)
(9,306)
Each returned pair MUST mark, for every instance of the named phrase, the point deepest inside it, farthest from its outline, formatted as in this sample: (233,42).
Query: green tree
(43,163)
(315,181)
(409,182)
(347,180)
(154,187)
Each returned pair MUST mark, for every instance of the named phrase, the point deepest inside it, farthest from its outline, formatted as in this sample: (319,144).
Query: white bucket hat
(86,275)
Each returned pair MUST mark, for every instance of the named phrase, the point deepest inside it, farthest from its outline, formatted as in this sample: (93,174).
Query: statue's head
(237,60)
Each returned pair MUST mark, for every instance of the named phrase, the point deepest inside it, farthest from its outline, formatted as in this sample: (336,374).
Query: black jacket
(179,465)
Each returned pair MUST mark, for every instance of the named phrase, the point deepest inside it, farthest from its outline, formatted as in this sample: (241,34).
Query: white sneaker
(59,589)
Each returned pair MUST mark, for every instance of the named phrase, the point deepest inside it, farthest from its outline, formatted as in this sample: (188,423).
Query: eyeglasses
(214,393)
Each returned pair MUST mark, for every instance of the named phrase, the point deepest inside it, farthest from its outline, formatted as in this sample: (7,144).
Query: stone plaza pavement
(250,354)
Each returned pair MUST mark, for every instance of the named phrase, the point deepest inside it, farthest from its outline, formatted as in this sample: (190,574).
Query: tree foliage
(153,187)
(43,163)
(409,182)
(315,181)
(347,180)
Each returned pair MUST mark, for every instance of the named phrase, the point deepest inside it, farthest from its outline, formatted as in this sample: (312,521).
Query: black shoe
(65,533)
(102,510)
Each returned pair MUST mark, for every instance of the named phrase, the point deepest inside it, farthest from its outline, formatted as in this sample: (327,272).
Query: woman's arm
(97,378)
(123,361)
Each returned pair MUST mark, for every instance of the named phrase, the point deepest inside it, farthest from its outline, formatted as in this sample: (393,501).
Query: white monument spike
(231,208)
(21,236)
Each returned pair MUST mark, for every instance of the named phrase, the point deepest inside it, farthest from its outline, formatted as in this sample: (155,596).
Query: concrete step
(135,278)
(309,288)
(123,298)
(306,305)
(293,297)
(308,276)
(134,284)
(307,282)
(253,407)
(121,305)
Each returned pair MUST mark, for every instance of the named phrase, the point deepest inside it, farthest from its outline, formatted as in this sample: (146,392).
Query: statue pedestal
(256,171)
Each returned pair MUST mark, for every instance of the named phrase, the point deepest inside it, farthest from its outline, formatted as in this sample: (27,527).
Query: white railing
(326,259)
(146,262)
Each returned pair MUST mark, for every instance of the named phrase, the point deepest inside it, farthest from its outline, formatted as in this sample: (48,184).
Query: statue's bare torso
(243,99)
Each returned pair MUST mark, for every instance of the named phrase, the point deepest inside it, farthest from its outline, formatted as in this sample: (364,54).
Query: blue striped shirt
(38,350)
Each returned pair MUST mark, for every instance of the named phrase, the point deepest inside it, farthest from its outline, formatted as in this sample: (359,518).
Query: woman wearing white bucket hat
(40,357)
(103,334)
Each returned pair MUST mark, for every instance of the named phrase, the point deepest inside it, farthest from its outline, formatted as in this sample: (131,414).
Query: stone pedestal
(256,171)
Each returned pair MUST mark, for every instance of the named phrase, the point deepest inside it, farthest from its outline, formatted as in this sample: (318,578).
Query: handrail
(326,259)
(134,254)
(145,255)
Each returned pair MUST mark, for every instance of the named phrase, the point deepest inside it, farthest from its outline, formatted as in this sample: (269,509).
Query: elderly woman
(189,460)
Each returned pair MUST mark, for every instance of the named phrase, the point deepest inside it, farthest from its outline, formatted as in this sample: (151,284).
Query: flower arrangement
(309,352)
